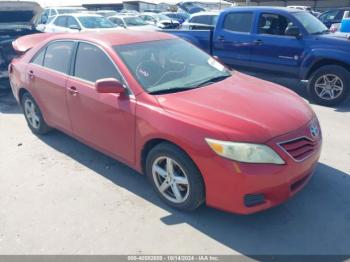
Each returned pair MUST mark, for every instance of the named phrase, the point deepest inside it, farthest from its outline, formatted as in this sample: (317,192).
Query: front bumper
(234,186)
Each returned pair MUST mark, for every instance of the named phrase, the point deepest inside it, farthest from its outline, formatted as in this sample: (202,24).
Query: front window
(95,22)
(170,65)
(311,24)
(134,21)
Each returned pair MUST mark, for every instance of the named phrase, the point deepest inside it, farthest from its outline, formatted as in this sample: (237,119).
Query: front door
(274,50)
(106,121)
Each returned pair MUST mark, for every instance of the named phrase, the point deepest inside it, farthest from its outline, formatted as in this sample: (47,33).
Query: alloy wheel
(31,111)
(329,87)
(171,180)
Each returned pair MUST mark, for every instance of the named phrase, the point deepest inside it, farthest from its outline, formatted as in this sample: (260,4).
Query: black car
(333,16)
(16,19)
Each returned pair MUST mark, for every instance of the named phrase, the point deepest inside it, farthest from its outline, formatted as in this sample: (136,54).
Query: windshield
(161,17)
(134,21)
(95,22)
(311,24)
(170,65)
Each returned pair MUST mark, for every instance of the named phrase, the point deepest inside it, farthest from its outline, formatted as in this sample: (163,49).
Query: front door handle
(258,42)
(220,38)
(73,91)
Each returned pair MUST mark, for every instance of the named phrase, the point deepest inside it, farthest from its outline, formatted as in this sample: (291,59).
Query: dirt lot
(57,196)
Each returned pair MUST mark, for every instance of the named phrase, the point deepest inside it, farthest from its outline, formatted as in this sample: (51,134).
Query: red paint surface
(240,108)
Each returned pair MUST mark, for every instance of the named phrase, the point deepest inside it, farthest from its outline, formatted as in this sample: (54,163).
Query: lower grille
(300,148)
(251,200)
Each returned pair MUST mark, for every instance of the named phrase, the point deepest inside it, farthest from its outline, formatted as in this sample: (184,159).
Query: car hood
(18,12)
(335,39)
(241,107)
(143,28)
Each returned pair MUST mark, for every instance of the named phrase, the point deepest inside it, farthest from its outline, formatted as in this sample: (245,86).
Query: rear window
(239,22)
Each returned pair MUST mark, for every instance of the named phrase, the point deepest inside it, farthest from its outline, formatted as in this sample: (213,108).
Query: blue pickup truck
(287,42)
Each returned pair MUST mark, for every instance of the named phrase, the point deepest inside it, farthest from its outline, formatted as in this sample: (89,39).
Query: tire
(193,193)
(33,115)
(324,76)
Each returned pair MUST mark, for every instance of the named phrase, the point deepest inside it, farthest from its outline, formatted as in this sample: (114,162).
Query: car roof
(65,7)
(262,8)
(124,16)
(205,13)
(114,37)
(80,14)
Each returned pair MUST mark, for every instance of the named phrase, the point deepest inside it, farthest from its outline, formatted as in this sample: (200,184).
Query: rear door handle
(73,91)
(31,74)
(258,42)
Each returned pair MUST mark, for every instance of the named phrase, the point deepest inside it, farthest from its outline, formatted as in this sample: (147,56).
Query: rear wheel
(329,85)
(33,115)
(175,177)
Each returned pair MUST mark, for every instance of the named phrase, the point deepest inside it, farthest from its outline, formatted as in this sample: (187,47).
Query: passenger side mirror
(109,86)
(293,31)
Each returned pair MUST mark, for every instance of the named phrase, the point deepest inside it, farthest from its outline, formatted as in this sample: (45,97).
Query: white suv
(79,22)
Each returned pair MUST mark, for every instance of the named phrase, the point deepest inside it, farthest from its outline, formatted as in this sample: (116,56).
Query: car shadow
(315,221)
(8,104)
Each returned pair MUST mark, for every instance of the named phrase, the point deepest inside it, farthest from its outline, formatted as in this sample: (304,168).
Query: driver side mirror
(109,86)
(293,31)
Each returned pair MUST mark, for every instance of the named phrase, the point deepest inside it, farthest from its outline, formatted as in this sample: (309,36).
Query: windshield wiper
(169,90)
(211,81)
(326,31)
(196,85)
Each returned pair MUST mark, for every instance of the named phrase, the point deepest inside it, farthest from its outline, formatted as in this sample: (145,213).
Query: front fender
(317,55)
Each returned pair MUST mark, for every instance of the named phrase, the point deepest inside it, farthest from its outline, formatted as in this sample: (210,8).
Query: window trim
(73,59)
(240,12)
(288,36)
(74,56)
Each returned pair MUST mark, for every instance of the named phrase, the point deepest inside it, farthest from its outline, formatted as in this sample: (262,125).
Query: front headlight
(245,152)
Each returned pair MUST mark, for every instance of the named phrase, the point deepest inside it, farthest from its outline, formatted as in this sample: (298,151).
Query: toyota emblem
(314,130)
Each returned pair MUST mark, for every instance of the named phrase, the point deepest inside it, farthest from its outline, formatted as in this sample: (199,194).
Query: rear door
(273,49)
(232,41)
(106,121)
(48,74)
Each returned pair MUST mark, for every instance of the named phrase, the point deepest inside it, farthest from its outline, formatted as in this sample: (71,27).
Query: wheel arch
(324,62)
(153,142)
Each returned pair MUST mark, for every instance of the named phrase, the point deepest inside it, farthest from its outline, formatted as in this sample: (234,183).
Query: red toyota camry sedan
(200,132)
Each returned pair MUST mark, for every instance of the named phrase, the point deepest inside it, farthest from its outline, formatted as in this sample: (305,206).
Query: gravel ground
(59,196)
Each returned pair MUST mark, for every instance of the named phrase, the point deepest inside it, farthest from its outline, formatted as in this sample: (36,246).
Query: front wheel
(329,85)
(175,177)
